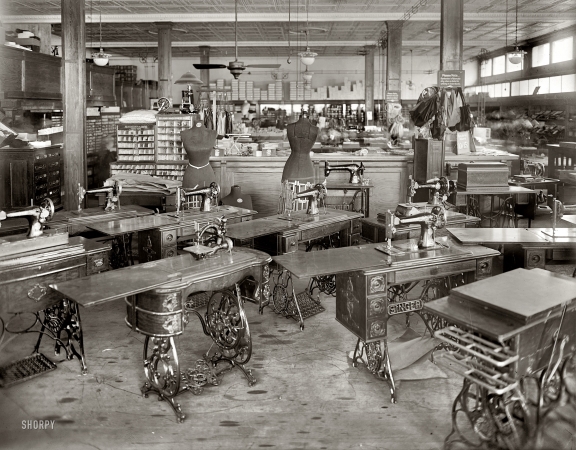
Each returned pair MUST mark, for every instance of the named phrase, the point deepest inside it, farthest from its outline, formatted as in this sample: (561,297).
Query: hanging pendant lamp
(100,58)
(516,56)
(308,57)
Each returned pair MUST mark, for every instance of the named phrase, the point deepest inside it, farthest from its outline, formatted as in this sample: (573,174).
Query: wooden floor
(308,395)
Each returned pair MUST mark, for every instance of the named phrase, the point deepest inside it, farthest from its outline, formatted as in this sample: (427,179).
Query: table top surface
(278,224)
(186,218)
(570,219)
(500,190)
(533,182)
(544,236)
(365,257)
(181,270)
(495,310)
(336,185)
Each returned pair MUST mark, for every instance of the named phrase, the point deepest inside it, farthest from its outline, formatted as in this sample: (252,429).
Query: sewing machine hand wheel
(46,210)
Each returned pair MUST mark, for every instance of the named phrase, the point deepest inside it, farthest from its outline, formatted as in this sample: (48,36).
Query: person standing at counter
(301,136)
(198,142)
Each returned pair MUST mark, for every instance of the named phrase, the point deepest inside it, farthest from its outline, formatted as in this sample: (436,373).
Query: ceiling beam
(358,44)
(280,17)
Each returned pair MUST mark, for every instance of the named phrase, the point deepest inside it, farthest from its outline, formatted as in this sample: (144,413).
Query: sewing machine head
(112,195)
(356,171)
(442,187)
(429,222)
(37,216)
(313,194)
(209,196)
(211,239)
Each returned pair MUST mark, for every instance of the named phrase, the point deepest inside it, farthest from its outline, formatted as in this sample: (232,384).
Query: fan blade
(209,66)
(264,66)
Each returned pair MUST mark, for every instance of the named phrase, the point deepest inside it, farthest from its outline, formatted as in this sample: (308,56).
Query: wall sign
(450,78)
(393,96)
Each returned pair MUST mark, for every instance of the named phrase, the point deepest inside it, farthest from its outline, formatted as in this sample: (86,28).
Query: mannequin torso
(301,135)
(198,142)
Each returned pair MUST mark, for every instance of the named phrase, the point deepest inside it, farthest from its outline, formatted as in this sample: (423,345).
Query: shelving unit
(136,143)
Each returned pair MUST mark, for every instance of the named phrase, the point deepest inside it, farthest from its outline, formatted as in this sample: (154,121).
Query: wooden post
(164,59)
(369,84)
(205,59)
(451,34)
(74,99)
(394,56)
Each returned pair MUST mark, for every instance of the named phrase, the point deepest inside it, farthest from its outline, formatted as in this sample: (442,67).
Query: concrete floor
(308,395)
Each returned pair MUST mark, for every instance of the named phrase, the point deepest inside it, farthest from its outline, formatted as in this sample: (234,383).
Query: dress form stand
(237,198)
(301,136)
(198,142)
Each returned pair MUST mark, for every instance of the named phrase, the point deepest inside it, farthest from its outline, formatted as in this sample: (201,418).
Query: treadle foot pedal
(308,306)
(25,369)
(196,301)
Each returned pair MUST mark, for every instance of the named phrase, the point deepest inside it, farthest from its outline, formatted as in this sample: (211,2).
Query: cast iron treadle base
(308,306)
(196,301)
(25,369)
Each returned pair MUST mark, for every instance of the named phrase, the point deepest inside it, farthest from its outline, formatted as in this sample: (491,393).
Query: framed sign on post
(450,79)
(392,96)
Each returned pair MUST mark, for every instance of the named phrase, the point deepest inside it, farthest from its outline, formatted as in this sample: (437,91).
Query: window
(505,89)
(562,49)
(541,55)
(569,83)
(524,87)
(532,84)
(555,85)
(544,84)
(491,90)
(486,68)
(499,65)
(515,88)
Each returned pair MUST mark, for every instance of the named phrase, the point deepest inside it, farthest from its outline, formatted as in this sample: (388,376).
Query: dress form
(198,142)
(301,136)
(237,198)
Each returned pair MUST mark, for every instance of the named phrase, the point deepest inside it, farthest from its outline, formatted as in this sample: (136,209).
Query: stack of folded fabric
(139,116)
(133,182)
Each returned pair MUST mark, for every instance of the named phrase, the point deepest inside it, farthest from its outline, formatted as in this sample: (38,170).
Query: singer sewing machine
(442,187)
(429,223)
(209,196)
(356,171)
(112,195)
(211,239)
(314,194)
(36,238)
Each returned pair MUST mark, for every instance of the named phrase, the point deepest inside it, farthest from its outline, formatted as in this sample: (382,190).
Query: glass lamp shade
(100,58)
(189,79)
(307,58)
(516,56)
(307,77)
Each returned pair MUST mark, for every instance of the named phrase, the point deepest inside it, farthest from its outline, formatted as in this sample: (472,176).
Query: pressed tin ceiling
(337,27)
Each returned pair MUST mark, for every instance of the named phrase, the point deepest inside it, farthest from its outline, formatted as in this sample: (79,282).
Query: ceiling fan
(236,67)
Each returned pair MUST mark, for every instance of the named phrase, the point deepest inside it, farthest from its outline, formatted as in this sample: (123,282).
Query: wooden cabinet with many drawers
(29,175)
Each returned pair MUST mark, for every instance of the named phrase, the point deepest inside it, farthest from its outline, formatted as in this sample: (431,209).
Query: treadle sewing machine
(429,222)
(356,171)
(28,263)
(156,296)
(209,197)
(441,188)
(512,338)
(112,195)
(526,247)
(372,285)
(314,194)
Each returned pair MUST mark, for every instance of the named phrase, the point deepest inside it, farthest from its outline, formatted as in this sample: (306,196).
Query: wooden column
(451,34)
(164,59)
(394,56)
(74,99)
(205,59)
(369,84)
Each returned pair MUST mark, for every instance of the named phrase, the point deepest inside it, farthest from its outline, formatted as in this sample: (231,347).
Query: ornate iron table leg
(162,371)
(63,317)
(377,361)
